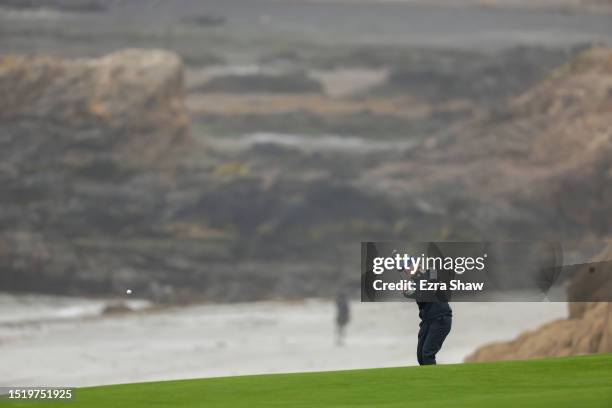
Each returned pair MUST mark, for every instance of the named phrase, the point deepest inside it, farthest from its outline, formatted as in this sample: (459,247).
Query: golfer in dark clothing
(436,321)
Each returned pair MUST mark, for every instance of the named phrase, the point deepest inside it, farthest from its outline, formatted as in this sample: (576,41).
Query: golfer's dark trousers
(431,336)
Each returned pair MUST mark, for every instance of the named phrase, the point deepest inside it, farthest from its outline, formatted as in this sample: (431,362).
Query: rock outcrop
(133,99)
(88,149)
(588,328)
(539,168)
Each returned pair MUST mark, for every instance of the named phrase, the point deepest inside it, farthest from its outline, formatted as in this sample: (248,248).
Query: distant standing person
(343,315)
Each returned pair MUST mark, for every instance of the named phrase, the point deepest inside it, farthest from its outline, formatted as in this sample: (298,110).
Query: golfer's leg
(438,330)
(422,335)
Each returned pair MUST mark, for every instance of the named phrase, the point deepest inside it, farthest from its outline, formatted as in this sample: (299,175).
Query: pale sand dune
(225,340)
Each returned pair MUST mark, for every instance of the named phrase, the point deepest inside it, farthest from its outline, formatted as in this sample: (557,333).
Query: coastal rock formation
(561,136)
(87,151)
(589,332)
(588,328)
(103,189)
(526,170)
(133,99)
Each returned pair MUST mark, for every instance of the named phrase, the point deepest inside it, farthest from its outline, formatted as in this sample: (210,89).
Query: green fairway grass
(576,382)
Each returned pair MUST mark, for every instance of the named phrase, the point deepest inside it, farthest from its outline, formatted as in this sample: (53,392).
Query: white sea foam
(236,339)
(326,142)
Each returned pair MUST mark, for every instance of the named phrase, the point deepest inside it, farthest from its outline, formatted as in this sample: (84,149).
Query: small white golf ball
(129,291)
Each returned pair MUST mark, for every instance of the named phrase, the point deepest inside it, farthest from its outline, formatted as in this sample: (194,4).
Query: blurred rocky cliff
(539,167)
(103,188)
(87,146)
(127,106)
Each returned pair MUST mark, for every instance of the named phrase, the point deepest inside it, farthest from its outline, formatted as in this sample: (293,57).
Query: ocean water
(68,342)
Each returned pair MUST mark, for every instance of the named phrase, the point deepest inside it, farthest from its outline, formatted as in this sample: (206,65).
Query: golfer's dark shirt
(432,310)
(432,305)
